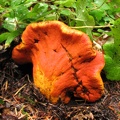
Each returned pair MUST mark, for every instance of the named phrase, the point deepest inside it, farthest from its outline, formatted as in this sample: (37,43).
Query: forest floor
(21,100)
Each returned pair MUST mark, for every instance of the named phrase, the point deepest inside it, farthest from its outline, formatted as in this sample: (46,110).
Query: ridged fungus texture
(64,61)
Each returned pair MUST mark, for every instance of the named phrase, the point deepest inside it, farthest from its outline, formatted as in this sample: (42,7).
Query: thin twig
(6,100)
(99,6)
(20,89)
(94,26)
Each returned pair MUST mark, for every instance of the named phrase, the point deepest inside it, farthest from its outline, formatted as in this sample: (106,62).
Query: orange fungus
(63,61)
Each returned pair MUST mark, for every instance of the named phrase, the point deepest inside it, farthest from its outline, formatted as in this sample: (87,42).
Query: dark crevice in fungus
(72,67)
(54,50)
(45,33)
(36,41)
(88,60)
(69,55)
(84,89)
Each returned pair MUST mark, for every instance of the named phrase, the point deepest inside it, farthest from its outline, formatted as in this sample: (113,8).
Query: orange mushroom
(63,61)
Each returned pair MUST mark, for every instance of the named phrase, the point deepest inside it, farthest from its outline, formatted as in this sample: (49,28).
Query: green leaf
(101,4)
(1,101)
(11,37)
(97,14)
(28,3)
(116,2)
(20,12)
(112,67)
(65,12)
(15,3)
(39,10)
(66,3)
(109,19)
(116,35)
(4,3)
(10,24)
(4,36)
(112,54)
(83,17)
(109,49)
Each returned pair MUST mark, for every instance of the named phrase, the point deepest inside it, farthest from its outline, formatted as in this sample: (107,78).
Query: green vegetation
(94,17)
(1,101)
(112,54)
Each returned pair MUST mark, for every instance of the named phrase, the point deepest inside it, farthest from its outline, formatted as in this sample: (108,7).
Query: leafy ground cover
(19,99)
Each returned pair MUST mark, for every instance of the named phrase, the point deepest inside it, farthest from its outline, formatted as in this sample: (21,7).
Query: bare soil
(21,100)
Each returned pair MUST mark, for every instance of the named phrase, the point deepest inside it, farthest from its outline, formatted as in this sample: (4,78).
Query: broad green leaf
(105,7)
(80,8)
(3,3)
(97,14)
(101,4)
(16,2)
(51,17)
(112,54)
(112,67)
(4,36)
(66,3)
(116,2)
(20,12)
(116,35)
(66,12)
(109,20)
(83,17)
(109,49)
(40,8)
(10,24)
(1,9)
(11,37)
(28,3)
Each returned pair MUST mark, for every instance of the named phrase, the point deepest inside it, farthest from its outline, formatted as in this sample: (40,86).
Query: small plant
(112,54)
(1,101)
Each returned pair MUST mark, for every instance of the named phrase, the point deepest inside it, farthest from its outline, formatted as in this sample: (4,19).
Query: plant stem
(94,26)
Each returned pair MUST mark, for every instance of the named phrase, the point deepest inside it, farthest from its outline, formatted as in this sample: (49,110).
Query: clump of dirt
(21,100)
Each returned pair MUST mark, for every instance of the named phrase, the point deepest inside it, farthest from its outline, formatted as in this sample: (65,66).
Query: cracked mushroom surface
(63,61)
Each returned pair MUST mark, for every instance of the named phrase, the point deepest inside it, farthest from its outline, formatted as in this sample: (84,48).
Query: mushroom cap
(63,61)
